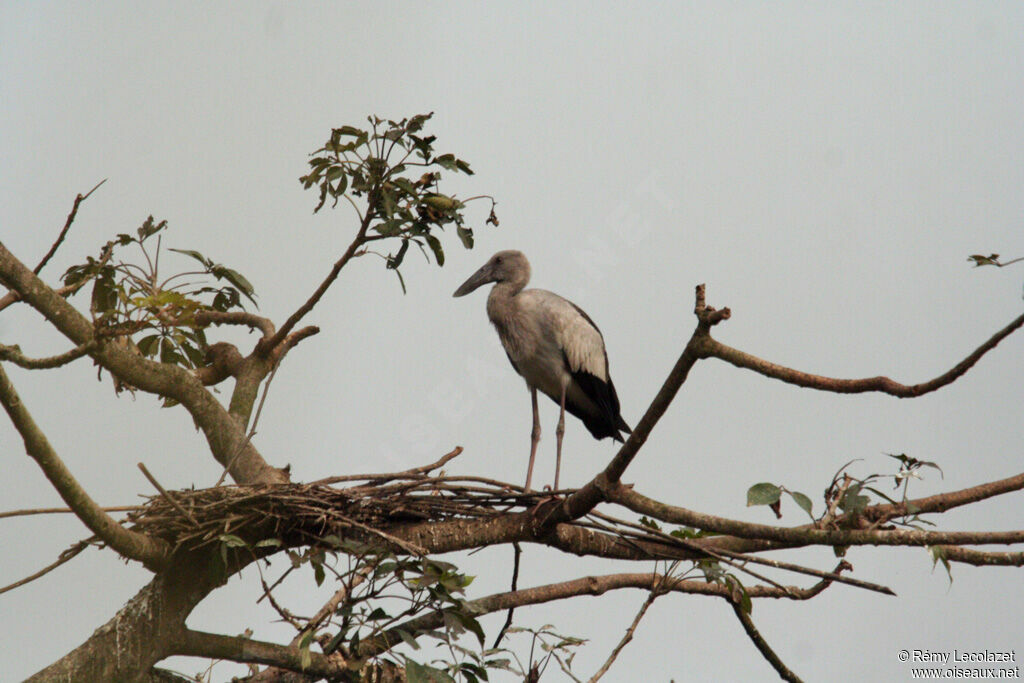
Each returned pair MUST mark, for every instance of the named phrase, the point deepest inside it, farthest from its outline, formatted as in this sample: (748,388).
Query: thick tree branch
(14,354)
(711,348)
(152,552)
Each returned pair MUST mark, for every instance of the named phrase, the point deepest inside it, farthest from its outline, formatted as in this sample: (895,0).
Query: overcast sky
(826,169)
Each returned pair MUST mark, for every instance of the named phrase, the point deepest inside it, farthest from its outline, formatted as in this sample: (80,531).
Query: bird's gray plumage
(552,344)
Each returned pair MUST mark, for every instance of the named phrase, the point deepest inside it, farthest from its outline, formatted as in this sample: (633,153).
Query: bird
(554,346)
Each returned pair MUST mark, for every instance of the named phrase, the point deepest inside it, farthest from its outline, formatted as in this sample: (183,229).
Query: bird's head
(505,266)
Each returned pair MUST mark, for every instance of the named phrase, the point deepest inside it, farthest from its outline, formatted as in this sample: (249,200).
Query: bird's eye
(497,260)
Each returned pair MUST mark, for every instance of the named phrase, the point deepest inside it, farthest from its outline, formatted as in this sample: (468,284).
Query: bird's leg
(559,432)
(534,437)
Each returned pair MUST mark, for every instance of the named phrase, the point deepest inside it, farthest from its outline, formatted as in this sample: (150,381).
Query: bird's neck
(501,304)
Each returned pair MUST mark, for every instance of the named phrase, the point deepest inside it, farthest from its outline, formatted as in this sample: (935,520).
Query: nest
(307,513)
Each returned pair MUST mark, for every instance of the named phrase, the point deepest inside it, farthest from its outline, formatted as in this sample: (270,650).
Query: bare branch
(711,348)
(50,511)
(762,645)
(414,472)
(517,553)
(944,501)
(65,556)
(584,500)
(223,361)
(152,552)
(292,339)
(315,297)
(587,585)
(628,636)
(250,320)
(13,296)
(14,354)
(67,226)
(981,558)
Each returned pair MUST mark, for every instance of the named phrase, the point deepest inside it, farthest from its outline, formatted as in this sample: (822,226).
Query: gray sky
(825,168)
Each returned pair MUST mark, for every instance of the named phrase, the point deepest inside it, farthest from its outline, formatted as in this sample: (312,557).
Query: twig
(415,472)
(766,651)
(167,496)
(515,580)
(628,636)
(67,226)
(65,556)
(315,297)
(50,511)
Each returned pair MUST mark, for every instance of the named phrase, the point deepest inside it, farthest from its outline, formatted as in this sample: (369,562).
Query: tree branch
(305,308)
(66,556)
(14,354)
(12,296)
(807,534)
(981,558)
(711,348)
(628,636)
(762,645)
(238,649)
(587,585)
(250,320)
(585,499)
(152,552)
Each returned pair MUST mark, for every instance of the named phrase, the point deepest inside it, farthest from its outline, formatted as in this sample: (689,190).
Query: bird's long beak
(480,277)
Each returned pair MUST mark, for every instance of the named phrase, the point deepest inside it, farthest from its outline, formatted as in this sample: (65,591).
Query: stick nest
(306,513)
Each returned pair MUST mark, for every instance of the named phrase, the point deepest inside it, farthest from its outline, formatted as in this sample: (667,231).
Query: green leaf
(407,638)
(207,263)
(318,573)
(147,345)
(435,246)
(269,543)
(763,494)
(803,501)
(396,260)
(421,673)
(466,235)
(232,541)
(939,554)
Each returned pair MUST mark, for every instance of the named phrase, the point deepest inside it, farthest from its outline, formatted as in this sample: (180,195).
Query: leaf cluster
(134,300)
(391,176)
